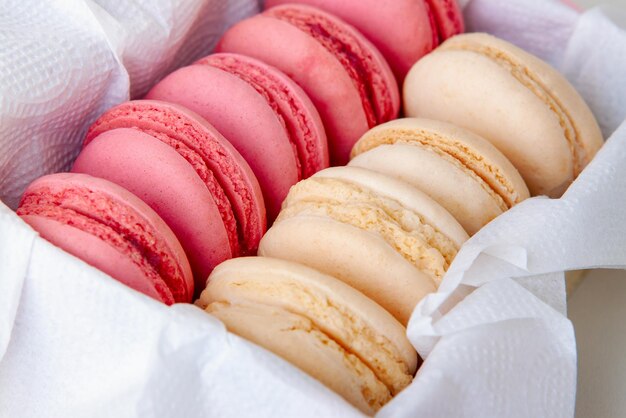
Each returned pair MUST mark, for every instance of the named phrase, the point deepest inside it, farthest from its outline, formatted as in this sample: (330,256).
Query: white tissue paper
(74,342)
(63,63)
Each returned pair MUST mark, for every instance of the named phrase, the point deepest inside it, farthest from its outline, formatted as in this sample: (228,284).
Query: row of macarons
(382,242)
(363,243)
(215,146)
(355,248)
(209,195)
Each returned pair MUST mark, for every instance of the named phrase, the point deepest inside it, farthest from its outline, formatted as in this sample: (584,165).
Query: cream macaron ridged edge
(354,224)
(526,108)
(297,340)
(460,170)
(355,323)
(359,258)
(412,212)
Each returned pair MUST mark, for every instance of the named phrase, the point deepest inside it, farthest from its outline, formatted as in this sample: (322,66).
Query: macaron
(264,114)
(379,235)
(111,229)
(347,79)
(316,322)
(529,111)
(402,30)
(461,171)
(186,171)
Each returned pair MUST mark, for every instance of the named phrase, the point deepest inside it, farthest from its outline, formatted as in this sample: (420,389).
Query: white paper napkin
(84,345)
(63,63)
(74,342)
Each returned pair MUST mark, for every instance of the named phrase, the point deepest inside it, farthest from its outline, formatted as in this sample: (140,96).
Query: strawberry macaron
(346,77)
(403,30)
(265,115)
(111,229)
(186,171)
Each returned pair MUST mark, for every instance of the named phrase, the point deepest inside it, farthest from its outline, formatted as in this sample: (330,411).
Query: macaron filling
(489,176)
(535,85)
(358,63)
(206,154)
(297,125)
(403,229)
(121,227)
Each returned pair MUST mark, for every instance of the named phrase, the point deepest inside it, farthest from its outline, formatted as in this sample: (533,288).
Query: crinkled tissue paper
(75,343)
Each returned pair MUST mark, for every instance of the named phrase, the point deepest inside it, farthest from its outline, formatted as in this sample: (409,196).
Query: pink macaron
(113,230)
(346,77)
(186,171)
(403,30)
(265,115)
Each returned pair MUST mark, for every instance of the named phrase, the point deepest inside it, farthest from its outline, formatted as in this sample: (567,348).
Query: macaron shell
(104,202)
(448,17)
(297,340)
(100,255)
(589,136)
(473,152)
(357,323)
(589,133)
(402,44)
(444,182)
(163,179)
(407,195)
(291,102)
(319,73)
(474,91)
(401,227)
(366,66)
(174,124)
(245,119)
(361,259)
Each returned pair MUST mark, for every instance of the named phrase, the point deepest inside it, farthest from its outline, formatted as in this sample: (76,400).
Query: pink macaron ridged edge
(353,50)
(144,220)
(303,121)
(100,254)
(402,30)
(244,118)
(317,70)
(228,166)
(169,184)
(448,18)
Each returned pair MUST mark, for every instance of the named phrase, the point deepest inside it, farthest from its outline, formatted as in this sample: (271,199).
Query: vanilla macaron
(461,171)
(326,328)
(377,234)
(522,105)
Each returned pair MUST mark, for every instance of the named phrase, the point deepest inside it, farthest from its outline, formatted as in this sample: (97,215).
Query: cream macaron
(321,325)
(519,103)
(461,171)
(377,234)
